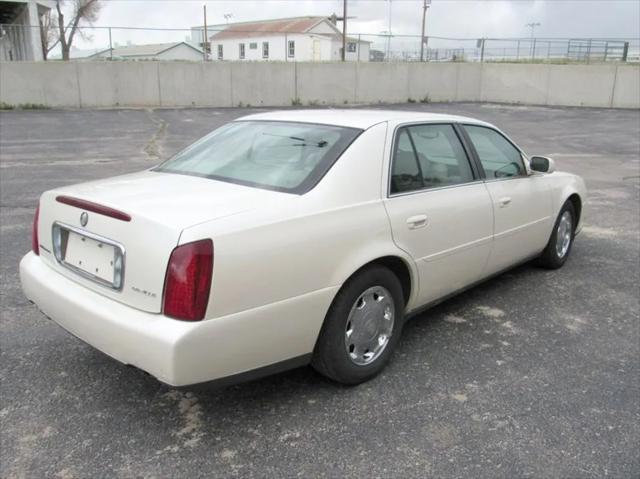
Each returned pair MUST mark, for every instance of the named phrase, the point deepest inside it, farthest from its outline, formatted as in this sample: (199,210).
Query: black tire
(330,356)
(550,258)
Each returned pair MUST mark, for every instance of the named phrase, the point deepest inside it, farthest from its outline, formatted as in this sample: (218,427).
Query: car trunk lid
(160,207)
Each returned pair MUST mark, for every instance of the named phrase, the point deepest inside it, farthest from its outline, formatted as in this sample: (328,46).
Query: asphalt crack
(153,149)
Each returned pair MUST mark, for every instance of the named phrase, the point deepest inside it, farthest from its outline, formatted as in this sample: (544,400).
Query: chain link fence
(20,42)
(401,48)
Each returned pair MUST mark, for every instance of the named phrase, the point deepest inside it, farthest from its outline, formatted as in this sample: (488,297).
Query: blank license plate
(91,256)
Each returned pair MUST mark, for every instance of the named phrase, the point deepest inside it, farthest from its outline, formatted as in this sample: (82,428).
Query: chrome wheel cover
(369,325)
(564,234)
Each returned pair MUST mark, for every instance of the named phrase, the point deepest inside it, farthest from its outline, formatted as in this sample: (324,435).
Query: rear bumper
(178,353)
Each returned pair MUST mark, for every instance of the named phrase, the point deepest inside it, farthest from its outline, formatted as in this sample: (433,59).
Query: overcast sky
(447,18)
(458,18)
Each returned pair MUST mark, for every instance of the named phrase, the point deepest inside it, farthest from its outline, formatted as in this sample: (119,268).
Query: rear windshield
(276,155)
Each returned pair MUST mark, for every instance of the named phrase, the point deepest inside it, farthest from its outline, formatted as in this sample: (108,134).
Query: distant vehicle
(376,55)
(293,237)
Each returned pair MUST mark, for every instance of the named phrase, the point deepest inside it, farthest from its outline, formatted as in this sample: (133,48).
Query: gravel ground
(532,374)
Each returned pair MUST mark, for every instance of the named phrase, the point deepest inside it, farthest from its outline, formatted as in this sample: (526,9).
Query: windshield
(276,155)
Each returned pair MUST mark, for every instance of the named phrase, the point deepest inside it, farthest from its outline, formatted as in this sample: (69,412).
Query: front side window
(282,156)
(499,158)
(253,46)
(428,156)
(351,47)
(292,49)
(220,52)
(265,49)
(241,52)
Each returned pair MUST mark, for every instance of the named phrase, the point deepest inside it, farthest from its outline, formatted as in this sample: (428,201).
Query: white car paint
(280,258)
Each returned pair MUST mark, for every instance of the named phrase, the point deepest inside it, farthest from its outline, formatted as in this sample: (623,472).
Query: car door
(438,207)
(521,203)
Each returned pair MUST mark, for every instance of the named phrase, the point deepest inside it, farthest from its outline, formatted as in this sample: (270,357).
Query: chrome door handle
(504,201)
(418,221)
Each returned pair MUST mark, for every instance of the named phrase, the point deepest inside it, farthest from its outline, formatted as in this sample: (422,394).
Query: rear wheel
(362,327)
(559,246)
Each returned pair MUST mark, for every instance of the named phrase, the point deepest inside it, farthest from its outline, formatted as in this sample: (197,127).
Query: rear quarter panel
(303,243)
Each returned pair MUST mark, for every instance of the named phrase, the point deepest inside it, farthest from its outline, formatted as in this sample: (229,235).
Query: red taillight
(188,281)
(35,246)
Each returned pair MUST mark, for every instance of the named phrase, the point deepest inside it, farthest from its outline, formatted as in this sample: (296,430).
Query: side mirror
(542,164)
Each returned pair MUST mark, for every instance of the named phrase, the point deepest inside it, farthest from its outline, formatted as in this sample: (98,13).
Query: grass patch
(24,106)
(33,106)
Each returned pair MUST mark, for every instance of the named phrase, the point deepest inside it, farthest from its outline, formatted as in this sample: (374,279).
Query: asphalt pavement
(532,374)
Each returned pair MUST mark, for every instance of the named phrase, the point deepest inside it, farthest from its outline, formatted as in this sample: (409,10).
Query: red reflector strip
(35,243)
(93,207)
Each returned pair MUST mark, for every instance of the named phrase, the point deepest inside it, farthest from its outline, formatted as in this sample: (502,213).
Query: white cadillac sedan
(293,237)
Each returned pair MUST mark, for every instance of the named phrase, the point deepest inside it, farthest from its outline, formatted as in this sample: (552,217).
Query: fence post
(359,45)
(625,51)
(548,49)
(286,48)
(589,51)
(518,51)
(205,40)
(482,50)
(22,42)
(533,50)
(110,46)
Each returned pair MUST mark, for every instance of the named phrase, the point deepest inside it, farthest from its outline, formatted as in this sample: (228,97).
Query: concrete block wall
(26,82)
(505,83)
(223,84)
(251,84)
(626,90)
(581,85)
(468,82)
(328,82)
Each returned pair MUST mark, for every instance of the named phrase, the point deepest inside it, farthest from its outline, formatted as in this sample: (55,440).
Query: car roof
(355,118)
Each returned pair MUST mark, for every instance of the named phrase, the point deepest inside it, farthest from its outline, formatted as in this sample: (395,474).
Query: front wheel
(559,246)
(362,327)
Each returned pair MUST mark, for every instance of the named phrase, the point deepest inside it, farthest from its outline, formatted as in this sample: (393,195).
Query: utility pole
(205,43)
(532,26)
(344,30)
(110,46)
(425,7)
(389,32)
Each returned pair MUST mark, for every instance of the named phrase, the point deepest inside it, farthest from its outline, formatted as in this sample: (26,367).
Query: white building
(20,38)
(157,51)
(288,39)
(197,33)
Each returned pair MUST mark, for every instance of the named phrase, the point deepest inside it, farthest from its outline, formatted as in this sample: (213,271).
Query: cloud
(446,18)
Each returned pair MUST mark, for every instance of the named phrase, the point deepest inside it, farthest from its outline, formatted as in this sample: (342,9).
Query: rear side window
(499,158)
(405,175)
(276,155)
(428,156)
(442,159)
